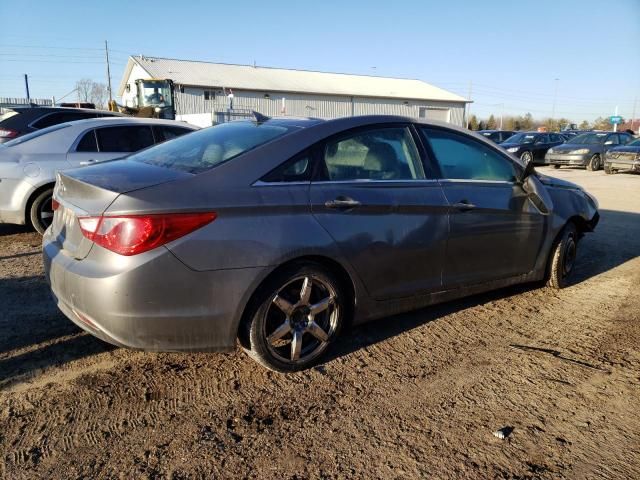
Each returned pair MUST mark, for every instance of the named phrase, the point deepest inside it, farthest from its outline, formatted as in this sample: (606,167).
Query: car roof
(106,121)
(61,109)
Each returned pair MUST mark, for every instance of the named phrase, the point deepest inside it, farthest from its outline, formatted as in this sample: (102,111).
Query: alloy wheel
(526,157)
(301,319)
(569,256)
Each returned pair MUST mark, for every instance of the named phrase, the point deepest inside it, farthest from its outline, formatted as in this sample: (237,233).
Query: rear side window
(164,133)
(61,117)
(380,154)
(88,142)
(462,158)
(204,149)
(124,139)
(298,169)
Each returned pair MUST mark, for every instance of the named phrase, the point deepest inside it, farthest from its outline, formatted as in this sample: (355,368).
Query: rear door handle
(463,205)
(343,203)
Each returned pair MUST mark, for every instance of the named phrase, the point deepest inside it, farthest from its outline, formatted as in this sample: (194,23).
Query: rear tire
(288,328)
(608,170)
(594,163)
(563,256)
(41,211)
(556,166)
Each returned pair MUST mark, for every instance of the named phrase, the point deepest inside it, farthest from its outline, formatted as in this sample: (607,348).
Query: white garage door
(431,113)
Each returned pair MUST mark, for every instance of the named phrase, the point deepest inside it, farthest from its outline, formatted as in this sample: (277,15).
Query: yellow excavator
(154,99)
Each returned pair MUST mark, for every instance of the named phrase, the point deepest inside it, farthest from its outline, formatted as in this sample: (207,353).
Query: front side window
(124,139)
(612,140)
(380,154)
(462,158)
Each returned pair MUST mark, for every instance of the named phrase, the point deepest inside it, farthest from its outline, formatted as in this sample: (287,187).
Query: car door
(84,151)
(495,231)
(112,142)
(388,218)
(540,147)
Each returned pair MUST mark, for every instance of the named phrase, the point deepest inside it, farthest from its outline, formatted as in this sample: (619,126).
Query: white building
(206,92)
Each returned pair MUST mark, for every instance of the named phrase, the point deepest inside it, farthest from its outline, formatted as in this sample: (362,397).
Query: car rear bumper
(150,301)
(561,159)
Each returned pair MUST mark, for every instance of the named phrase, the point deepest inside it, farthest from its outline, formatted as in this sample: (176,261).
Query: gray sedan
(586,150)
(278,233)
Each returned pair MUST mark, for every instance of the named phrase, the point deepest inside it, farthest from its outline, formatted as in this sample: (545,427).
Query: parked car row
(28,163)
(571,148)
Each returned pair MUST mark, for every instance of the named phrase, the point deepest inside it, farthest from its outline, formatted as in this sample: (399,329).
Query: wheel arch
(340,271)
(31,199)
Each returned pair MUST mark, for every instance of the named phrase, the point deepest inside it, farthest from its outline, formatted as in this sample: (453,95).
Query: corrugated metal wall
(192,100)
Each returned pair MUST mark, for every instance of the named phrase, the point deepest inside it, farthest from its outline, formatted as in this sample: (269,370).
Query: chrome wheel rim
(569,256)
(301,319)
(526,157)
(45,212)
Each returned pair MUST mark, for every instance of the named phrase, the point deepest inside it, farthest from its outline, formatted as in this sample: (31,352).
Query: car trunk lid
(89,191)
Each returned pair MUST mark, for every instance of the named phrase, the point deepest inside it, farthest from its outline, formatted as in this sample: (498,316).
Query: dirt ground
(412,396)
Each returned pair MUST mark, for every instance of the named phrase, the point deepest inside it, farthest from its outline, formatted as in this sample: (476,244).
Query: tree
(601,124)
(585,125)
(491,123)
(482,125)
(527,121)
(91,92)
(473,123)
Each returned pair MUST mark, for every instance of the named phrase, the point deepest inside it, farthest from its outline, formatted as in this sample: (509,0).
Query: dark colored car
(532,146)
(496,136)
(586,150)
(279,233)
(18,121)
(625,157)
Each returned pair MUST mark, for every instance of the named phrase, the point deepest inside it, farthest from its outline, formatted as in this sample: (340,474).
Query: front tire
(608,170)
(41,211)
(563,257)
(296,316)
(594,163)
(526,157)
(556,166)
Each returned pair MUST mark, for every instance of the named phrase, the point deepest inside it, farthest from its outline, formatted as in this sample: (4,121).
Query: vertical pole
(469,104)
(555,98)
(633,115)
(26,86)
(501,114)
(106,51)
(615,125)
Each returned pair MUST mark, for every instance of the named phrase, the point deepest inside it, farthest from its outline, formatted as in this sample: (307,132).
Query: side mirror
(538,195)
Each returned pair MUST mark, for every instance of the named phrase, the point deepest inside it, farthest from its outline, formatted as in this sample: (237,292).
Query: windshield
(521,138)
(154,94)
(589,138)
(36,134)
(204,149)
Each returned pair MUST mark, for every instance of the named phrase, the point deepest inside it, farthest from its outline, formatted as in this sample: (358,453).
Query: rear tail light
(8,133)
(134,234)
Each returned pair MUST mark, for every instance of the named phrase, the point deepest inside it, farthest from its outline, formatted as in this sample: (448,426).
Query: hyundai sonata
(277,233)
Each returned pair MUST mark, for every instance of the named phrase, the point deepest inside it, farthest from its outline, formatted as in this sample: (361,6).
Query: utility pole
(469,104)
(26,86)
(615,125)
(633,115)
(106,51)
(555,98)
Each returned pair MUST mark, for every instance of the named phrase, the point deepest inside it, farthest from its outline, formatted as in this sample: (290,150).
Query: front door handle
(343,203)
(88,162)
(463,205)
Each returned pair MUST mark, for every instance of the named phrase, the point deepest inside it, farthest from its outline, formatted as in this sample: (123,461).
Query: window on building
(209,95)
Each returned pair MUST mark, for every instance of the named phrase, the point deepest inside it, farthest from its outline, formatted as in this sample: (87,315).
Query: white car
(28,164)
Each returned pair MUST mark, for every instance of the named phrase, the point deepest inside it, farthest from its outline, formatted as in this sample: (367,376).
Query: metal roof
(247,77)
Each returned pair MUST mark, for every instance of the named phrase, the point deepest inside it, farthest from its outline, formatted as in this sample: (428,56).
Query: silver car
(278,233)
(28,164)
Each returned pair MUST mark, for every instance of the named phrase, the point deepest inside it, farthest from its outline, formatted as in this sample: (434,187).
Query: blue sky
(512,52)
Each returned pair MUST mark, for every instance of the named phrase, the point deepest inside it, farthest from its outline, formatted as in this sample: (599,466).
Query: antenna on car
(260,118)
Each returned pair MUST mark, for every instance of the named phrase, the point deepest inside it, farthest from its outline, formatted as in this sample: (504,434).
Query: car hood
(569,147)
(626,149)
(557,182)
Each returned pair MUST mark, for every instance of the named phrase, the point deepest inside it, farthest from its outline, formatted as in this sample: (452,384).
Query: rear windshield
(7,114)
(36,134)
(202,150)
(590,138)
